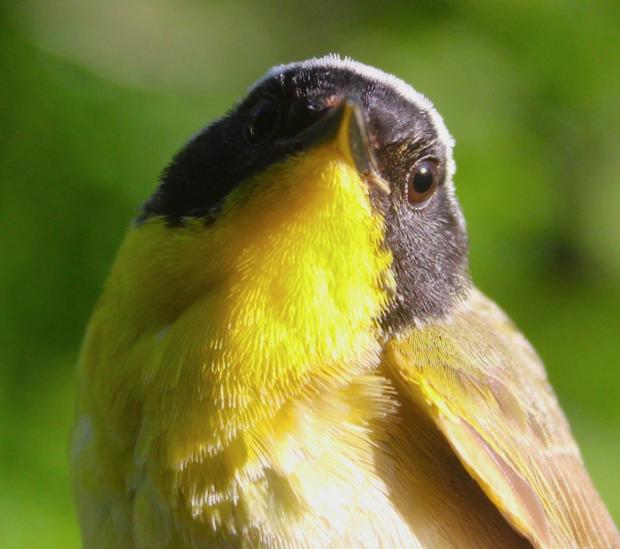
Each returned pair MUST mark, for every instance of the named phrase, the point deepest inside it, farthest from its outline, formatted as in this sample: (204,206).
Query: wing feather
(486,389)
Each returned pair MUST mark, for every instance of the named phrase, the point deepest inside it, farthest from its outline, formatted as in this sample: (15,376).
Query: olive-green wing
(486,390)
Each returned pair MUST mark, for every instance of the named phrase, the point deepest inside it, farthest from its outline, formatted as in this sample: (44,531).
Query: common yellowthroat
(289,350)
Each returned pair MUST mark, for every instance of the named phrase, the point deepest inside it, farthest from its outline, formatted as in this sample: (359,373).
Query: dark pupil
(423,180)
(263,121)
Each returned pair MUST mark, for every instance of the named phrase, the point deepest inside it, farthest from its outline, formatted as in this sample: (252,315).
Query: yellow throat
(213,329)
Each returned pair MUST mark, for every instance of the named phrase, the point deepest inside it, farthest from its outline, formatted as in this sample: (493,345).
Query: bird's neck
(253,311)
(208,338)
(297,306)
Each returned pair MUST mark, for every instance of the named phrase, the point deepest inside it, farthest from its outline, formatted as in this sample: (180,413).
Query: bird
(289,350)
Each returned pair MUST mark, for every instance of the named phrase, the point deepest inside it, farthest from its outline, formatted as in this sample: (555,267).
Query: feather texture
(485,388)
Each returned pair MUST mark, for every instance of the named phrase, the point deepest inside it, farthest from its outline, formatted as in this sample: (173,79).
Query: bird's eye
(263,121)
(422,183)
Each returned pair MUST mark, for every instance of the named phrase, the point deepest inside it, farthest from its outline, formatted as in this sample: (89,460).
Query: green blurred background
(95,96)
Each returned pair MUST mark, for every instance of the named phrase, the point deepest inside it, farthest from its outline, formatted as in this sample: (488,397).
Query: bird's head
(327,166)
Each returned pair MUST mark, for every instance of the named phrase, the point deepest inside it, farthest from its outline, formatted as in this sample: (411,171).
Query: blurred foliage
(96,96)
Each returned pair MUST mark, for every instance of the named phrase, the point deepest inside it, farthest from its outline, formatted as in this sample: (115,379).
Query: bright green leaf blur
(95,97)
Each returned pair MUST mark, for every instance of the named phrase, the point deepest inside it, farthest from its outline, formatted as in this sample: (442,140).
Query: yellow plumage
(238,389)
(185,382)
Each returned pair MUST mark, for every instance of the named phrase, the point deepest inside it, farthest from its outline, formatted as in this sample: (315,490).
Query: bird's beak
(344,128)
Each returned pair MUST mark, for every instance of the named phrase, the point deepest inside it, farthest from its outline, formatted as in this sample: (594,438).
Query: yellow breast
(211,346)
